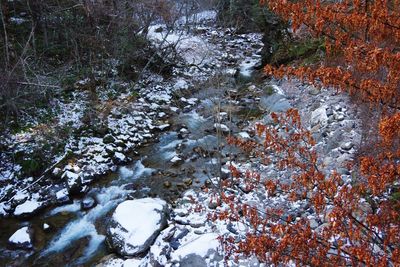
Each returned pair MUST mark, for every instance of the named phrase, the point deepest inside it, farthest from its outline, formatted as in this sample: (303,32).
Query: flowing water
(77,236)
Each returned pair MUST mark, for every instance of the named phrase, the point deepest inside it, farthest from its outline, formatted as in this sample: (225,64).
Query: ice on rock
(21,238)
(135,225)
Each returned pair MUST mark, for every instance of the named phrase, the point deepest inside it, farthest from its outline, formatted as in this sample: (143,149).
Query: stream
(186,156)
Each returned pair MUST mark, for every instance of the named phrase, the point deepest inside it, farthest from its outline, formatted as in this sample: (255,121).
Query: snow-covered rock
(73,181)
(176,160)
(29,207)
(347,146)
(46,227)
(135,225)
(164,127)
(62,196)
(244,135)
(20,197)
(21,239)
(203,246)
(57,172)
(221,127)
(119,158)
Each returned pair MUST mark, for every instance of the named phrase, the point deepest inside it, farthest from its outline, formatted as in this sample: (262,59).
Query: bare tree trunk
(3,21)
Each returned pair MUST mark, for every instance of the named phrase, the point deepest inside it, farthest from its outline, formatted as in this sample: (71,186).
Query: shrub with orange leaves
(360,216)
(360,220)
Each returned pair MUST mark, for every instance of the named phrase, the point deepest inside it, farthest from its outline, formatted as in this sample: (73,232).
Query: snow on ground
(71,114)
(130,124)
(201,17)
(193,49)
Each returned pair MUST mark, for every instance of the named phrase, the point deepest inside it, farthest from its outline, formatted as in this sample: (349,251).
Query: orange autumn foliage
(361,221)
(361,215)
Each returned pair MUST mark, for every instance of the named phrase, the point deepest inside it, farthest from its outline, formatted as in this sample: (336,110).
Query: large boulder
(135,224)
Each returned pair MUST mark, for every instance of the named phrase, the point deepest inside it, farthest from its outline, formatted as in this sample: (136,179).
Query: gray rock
(339,117)
(314,91)
(275,103)
(314,224)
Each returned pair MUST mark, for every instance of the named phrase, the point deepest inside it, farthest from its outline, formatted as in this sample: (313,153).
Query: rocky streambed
(128,199)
